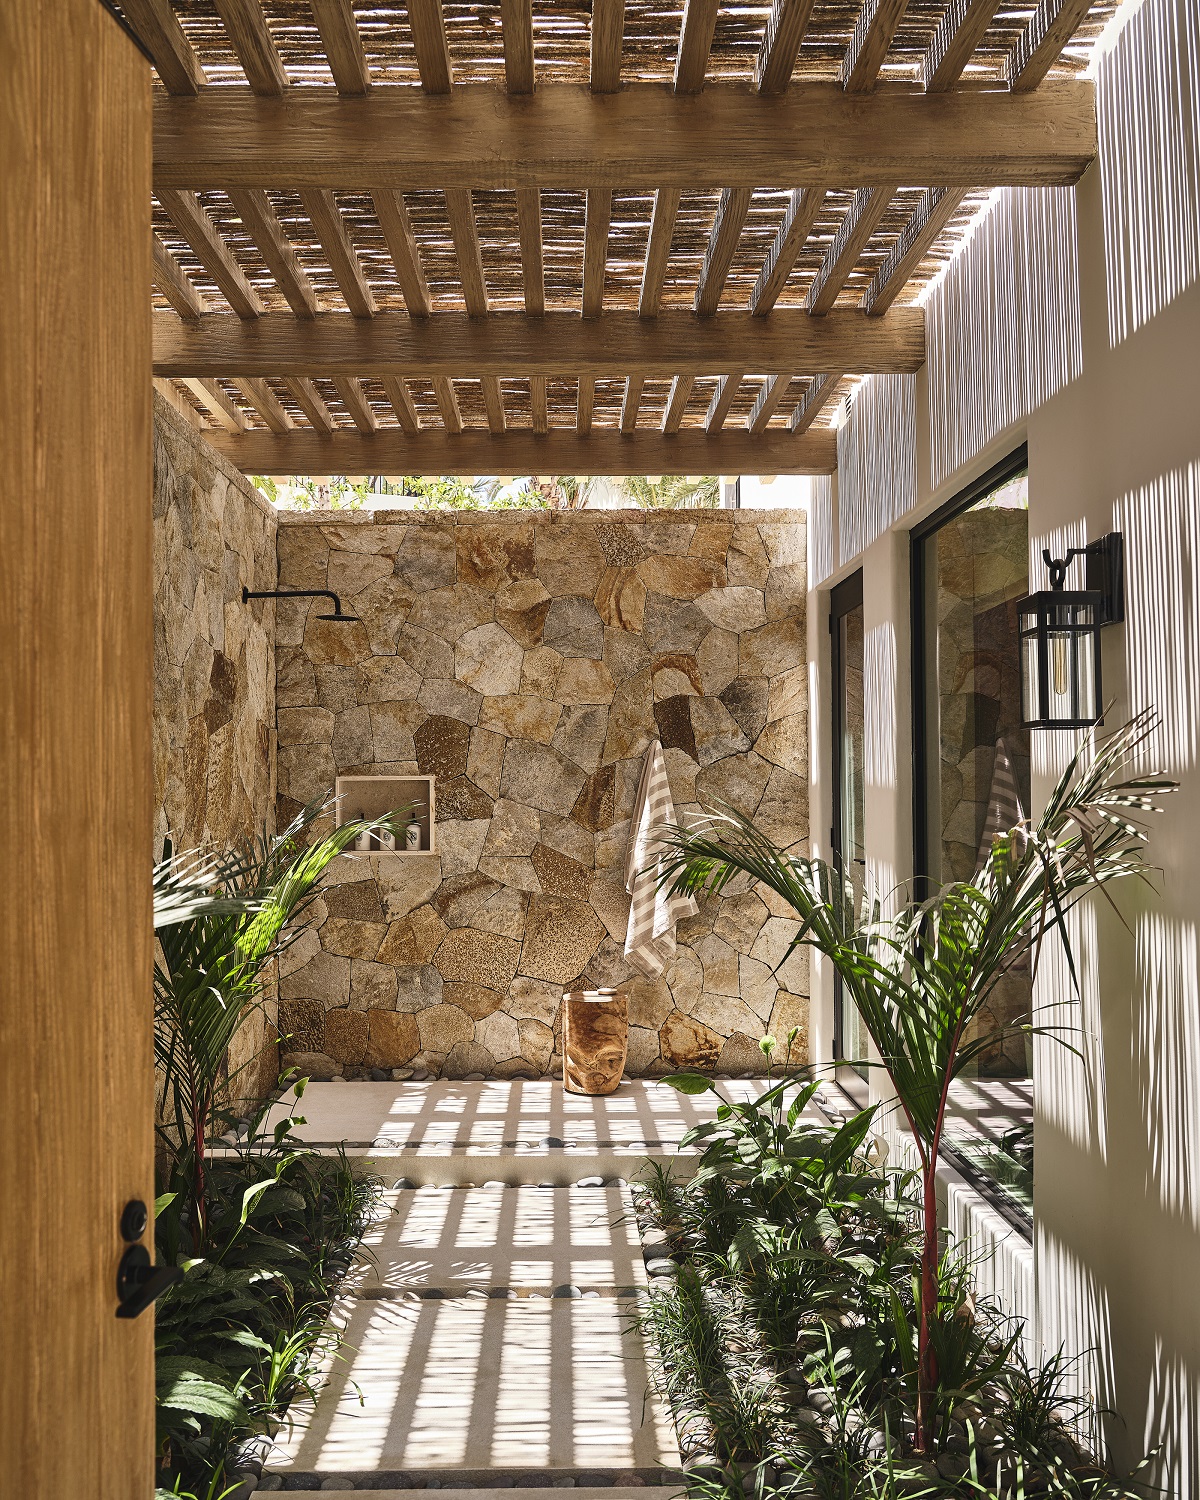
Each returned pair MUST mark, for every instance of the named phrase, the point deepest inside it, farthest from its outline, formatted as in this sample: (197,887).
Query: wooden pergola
(608,238)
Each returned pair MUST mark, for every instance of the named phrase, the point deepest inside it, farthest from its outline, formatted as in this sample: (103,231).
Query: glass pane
(976,779)
(851,845)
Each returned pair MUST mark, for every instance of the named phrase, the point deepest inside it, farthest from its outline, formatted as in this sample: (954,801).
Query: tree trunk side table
(595,1040)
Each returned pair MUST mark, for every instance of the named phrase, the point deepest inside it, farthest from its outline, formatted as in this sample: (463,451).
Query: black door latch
(139,1281)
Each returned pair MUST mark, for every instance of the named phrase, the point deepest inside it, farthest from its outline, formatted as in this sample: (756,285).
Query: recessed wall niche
(410,797)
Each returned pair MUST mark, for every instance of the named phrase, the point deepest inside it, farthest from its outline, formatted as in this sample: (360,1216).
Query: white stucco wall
(1103,382)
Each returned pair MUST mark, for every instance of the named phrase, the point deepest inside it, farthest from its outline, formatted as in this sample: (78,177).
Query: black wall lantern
(1060,637)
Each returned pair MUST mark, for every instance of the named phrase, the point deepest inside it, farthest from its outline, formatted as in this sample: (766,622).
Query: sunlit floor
(500,1117)
(489,1320)
(489,1330)
(525,1239)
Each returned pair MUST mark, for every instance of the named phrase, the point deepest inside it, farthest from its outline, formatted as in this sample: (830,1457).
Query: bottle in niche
(362,839)
(412,837)
(387,839)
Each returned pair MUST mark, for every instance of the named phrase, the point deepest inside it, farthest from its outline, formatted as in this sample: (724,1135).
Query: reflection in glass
(850,1036)
(976,781)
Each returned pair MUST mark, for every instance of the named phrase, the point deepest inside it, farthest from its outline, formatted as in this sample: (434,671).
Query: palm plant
(921,977)
(672,491)
(219,919)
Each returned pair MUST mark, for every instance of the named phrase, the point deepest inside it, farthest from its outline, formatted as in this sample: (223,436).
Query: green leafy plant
(206,978)
(921,978)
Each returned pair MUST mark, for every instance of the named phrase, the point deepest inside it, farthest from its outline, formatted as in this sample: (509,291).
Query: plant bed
(782,1310)
(244,1333)
(264,1230)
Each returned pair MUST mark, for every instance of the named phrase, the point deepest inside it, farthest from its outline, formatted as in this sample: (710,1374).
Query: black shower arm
(339,612)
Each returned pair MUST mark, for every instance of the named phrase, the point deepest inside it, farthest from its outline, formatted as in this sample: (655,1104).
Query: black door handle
(139,1282)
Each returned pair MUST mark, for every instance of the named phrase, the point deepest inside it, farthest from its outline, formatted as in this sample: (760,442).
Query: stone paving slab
(500,1117)
(519,1238)
(515,1492)
(477,1384)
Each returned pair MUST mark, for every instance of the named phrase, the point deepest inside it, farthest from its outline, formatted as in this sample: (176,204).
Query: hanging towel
(1004,803)
(653,913)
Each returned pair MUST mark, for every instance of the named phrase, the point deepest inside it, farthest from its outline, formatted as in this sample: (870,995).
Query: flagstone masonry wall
(214,670)
(526,661)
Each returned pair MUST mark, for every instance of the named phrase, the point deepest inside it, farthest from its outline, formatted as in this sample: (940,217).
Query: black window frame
(1014,463)
(843,598)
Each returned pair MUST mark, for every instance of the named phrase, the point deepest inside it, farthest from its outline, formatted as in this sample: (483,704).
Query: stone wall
(526,662)
(214,664)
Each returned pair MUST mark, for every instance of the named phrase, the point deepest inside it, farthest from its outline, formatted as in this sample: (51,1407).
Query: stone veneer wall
(214,665)
(527,661)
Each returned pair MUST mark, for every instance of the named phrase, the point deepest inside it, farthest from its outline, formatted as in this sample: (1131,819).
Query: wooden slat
(1040,45)
(767,402)
(343,45)
(861,221)
(681,393)
(585,400)
(658,250)
(722,247)
(537,404)
(792,236)
(963,26)
(177,401)
(529,233)
(786,26)
(397,229)
(874,33)
(695,43)
(308,398)
(264,401)
(397,393)
(631,401)
(169,278)
(493,402)
(521,451)
(723,397)
(251,37)
(565,136)
(429,42)
(355,401)
(214,400)
(560,344)
(254,209)
(821,391)
(321,207)
(175,59)
(447,401)
(188,216)
(595,250)
(516,20)
(936,210)
(608,34)
(466,247)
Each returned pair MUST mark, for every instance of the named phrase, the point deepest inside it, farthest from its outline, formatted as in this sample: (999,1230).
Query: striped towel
(1004,803)
(650,938)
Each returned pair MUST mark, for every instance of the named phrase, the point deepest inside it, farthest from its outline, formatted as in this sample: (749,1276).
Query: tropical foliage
(920,978)
(206,979)
(786,1340)
(263,1228)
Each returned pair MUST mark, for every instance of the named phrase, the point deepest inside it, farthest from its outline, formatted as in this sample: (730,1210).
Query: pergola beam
(520,451)
(343,45)
(559,344)
(565,136)
(247,29)
(157,26)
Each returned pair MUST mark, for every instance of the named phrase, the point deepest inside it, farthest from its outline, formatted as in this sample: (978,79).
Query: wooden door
(76,652)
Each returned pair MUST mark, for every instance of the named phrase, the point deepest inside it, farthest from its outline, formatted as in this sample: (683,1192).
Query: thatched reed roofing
(561,41)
